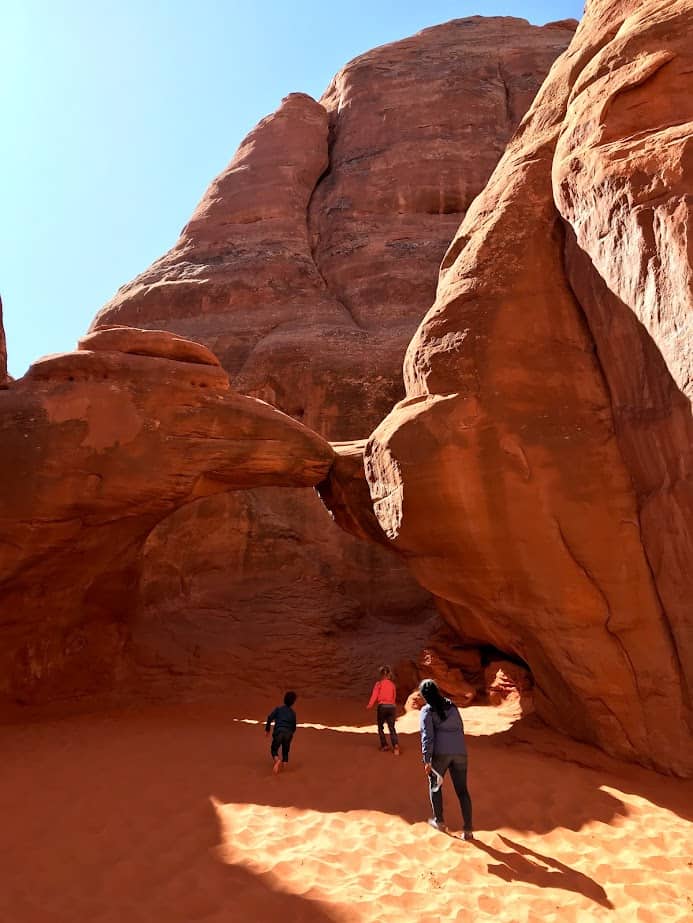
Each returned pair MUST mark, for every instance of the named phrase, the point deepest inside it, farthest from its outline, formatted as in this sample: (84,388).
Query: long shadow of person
(524,864)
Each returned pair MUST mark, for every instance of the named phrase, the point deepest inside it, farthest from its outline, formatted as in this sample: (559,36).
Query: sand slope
(174,814)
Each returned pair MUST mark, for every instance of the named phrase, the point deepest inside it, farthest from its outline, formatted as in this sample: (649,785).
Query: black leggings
(386,715)
(281,739)
(457,764)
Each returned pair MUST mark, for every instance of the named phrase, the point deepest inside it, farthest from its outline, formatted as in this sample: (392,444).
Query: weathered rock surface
(98,446)
(306,268)
(316,248)
(346,495)
(542,488)
(504,679)
(271,613)
(448,677)
(3,351)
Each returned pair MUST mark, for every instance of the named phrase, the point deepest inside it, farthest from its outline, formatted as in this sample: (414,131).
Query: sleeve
(374,695)
(270,718)
(427,735)
(293,715)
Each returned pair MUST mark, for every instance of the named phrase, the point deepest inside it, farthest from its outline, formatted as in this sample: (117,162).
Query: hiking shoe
(438,825)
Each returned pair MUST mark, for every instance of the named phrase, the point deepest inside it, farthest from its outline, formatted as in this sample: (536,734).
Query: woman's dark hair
(434,698)
(385,672)
(289,698)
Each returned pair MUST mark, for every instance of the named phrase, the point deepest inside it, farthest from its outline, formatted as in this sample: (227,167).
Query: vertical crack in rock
(506,93)
(313,232)
(584,569)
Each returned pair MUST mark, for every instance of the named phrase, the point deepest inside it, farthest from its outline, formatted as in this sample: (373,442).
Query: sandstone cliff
(538,475)
(306,268)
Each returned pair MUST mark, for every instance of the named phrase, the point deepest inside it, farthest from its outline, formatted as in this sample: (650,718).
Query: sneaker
(277,768)
(467,835)
(396,750)
(438,825)
(385,749)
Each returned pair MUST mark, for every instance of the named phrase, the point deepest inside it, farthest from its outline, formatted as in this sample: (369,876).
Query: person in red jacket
(384,695)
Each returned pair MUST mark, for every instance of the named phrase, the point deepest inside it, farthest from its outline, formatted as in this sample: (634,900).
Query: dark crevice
(506,91)
(607,621)
(313,238)
(489,652)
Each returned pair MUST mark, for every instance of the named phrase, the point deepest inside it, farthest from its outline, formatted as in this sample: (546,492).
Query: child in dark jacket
(284,719)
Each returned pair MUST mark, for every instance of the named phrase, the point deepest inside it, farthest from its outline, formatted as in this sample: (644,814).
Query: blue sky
(116,116)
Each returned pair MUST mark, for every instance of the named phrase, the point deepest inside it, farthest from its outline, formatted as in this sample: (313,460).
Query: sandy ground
(173,814)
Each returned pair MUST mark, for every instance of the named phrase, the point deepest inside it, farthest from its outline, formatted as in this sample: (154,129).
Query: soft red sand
(173,814)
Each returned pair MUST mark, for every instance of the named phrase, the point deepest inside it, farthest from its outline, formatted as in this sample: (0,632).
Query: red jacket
(384,693)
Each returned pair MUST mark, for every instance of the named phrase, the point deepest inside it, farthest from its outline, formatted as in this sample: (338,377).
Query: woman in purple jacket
(443,748)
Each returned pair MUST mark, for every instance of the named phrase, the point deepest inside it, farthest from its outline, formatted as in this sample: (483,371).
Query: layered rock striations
(538,475)
(306,268)
(99,445)
(314,251)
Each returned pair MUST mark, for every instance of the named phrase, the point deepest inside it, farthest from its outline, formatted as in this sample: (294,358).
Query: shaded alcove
(231,595)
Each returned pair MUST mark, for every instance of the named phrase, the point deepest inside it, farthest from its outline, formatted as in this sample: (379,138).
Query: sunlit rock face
(538,475)
(98,446)
(306,268)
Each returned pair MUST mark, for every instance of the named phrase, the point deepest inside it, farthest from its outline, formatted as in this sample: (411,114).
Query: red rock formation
(306,268)
(345,493)
(3,351)
(542,489)
(622,179)
(98,446)
(504,680)
(448,677)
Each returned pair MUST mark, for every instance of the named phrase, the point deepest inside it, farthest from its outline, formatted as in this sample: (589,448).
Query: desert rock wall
(306,268)
(537,475)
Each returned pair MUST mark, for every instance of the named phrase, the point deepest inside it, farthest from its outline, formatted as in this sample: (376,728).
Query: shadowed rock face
(98,446)
(538,475)
(306,269)
(3,351)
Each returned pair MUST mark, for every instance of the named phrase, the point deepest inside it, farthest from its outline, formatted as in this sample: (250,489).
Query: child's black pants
(387,715)
(281,739)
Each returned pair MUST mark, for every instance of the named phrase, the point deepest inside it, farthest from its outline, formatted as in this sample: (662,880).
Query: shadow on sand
(524,864)
(98,808)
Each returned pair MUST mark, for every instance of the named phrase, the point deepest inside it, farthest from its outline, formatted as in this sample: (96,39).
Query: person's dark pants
(457,764)
(386,715)
(281,739)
